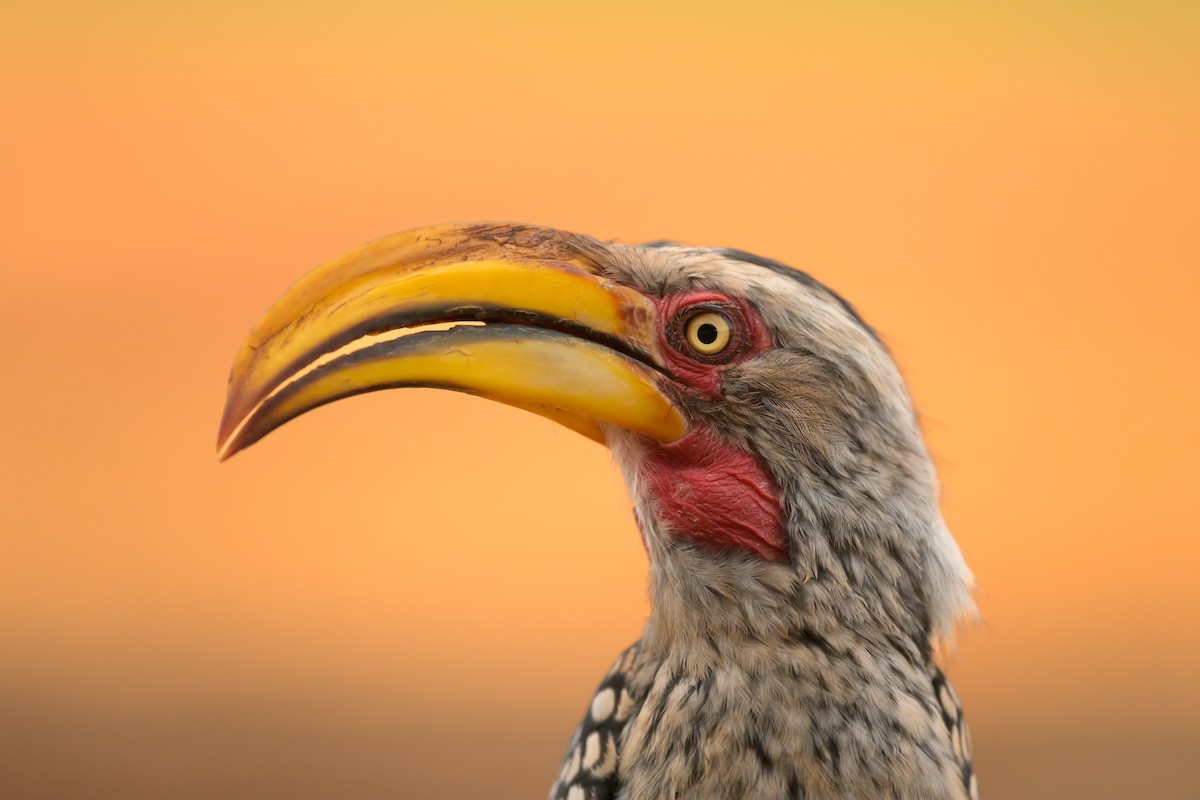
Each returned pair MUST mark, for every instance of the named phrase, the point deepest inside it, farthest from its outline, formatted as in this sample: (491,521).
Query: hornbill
(801,574)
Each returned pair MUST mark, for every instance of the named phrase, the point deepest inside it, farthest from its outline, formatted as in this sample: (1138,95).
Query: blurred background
(413,593)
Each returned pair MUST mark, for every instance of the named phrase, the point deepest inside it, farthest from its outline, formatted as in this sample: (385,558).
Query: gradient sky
(1009,194)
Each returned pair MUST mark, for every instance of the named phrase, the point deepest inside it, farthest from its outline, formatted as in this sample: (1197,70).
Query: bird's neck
(763,672)
(862,557)
(833,713)
(718,613)
(847,584)
(858,555)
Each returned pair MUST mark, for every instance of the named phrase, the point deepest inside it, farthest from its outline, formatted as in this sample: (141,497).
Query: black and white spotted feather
(590,767)
(960,737)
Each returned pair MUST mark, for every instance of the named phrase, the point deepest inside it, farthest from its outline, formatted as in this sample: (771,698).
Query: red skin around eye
(750,337)
(714,492)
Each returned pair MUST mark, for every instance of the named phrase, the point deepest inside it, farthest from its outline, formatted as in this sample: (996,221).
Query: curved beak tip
(226,444)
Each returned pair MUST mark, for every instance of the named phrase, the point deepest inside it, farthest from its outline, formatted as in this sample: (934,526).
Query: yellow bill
(541,329)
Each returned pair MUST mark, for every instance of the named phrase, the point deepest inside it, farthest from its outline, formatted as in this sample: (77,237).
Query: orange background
(413,593)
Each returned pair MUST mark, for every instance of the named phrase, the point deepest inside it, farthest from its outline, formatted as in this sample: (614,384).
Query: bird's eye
(708,333)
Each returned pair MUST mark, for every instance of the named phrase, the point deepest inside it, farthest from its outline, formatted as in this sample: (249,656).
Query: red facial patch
(715,493)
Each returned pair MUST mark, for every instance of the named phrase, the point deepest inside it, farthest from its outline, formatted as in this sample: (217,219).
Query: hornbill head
(766,436)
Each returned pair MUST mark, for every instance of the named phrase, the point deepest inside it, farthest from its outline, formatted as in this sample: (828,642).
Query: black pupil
(706,333)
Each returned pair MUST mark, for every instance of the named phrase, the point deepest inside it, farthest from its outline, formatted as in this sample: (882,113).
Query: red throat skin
(716,494)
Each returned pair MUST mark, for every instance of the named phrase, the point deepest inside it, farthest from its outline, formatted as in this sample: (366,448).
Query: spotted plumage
(648,705)
(956,726)
(590,767)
